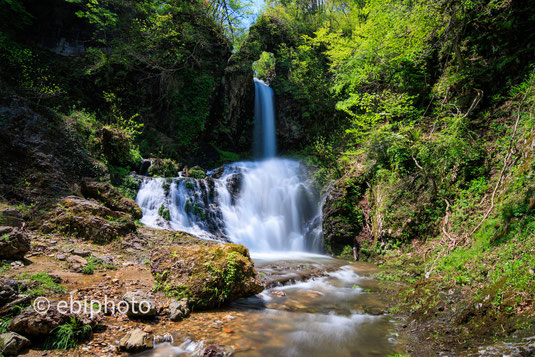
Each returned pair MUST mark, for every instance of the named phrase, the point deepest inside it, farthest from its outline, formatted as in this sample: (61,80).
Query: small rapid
(339,313)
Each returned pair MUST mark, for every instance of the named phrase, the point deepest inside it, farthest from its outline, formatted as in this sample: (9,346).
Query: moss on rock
(208,276)
(110,197)
(163,168)
(88,220)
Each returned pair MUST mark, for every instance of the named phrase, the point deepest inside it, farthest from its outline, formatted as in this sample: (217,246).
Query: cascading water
(268,205)
(265,145)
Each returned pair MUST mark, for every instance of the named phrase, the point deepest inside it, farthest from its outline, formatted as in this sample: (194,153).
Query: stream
(314,305)
(341,313)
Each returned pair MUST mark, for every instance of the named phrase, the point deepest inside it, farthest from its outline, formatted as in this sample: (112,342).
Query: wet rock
(17,264)
(11,343)
(140,304)
(207,275)
(89,220)
(11,217)
(76,263)
(178,310)
(234,183)
(144,167)
(161,339)
(216,351)
(31,323)
(135,341)
(341,221)
(14,243)
(217,173)
(110,197)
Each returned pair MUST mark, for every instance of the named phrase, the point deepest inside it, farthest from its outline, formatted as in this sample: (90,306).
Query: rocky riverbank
(93,253)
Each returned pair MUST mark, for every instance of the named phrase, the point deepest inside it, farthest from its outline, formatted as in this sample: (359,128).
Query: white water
(264,131)
(268,205)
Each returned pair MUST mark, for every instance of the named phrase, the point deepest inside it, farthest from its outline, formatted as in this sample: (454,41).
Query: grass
(4,323)
(68,335)
(40,284)
(94,264)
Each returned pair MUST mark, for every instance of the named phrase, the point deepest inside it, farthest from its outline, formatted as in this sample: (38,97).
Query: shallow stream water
(341,313)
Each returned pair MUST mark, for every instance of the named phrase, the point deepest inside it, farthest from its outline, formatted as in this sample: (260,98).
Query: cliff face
(40,160)
(124,62)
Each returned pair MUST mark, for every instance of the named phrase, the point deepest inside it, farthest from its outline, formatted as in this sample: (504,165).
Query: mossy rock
(117,147)
(163,168)
(196,172)
(208,276)
(89,220)
(110,197)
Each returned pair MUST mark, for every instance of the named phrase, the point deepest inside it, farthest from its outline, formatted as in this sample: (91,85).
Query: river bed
(341,313)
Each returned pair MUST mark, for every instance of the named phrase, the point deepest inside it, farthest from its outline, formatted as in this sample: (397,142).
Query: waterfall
(264,130)
(268,205)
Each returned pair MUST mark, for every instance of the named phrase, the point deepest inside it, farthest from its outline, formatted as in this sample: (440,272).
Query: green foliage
(4,323)
(94,264)
(98,15)
(40,284)
(191,105)
(83,128)
(129,186)
(26,70)
(264,67)
(347,253)
(69,335)
(226,156)
(197,173)
(13,15)
(127,125)
(164,213)
(163,168)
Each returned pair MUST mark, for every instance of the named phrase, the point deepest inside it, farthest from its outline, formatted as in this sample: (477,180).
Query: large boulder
(41,159)
(31,323)
(110,197)
(89,220)
(207,275)
(14,243)
(12,344)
